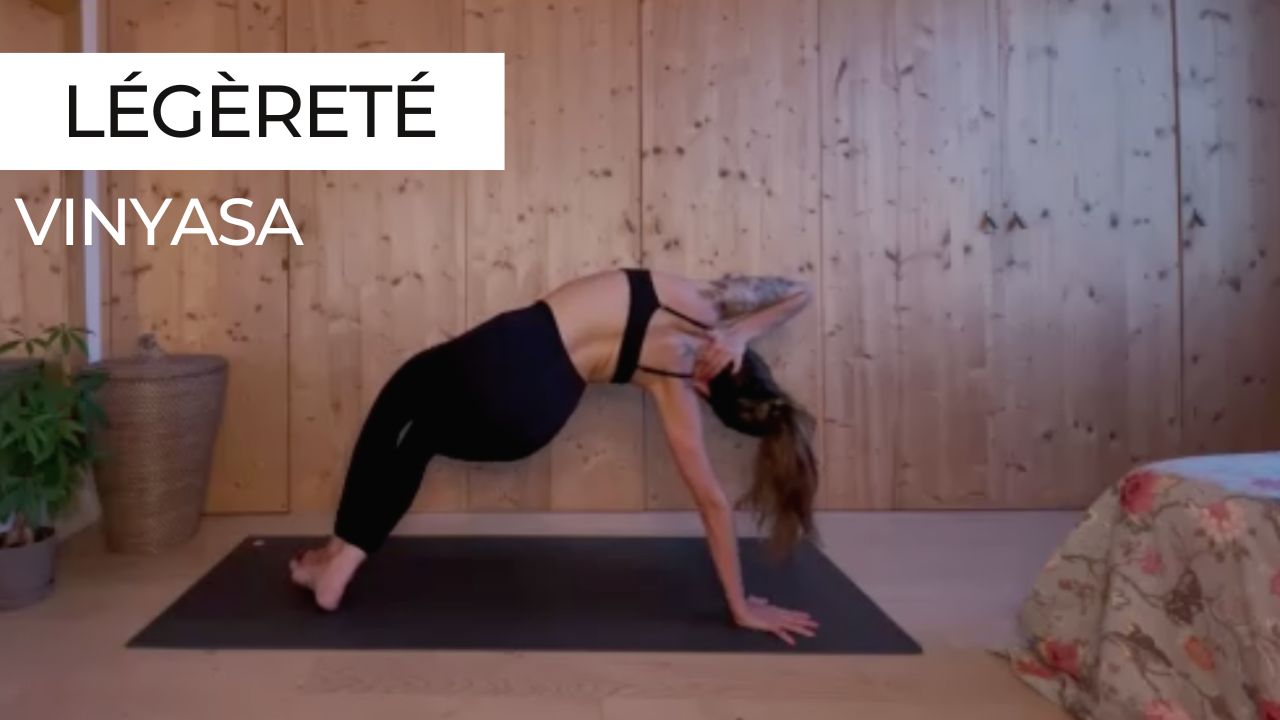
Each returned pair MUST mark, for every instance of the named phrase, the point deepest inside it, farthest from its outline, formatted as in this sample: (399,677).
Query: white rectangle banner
(252,111)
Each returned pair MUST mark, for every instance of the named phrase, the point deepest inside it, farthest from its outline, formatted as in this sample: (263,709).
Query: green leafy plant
(47,417)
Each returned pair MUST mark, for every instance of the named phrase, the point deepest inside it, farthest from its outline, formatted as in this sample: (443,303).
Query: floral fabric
(1164,602)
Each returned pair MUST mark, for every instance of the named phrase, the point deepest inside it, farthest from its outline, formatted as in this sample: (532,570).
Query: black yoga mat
(520,593)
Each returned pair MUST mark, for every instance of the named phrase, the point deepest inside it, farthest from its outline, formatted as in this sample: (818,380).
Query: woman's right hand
(724,348)
(759,615)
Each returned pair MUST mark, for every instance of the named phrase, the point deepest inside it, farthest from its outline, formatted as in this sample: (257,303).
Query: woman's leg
(387,464)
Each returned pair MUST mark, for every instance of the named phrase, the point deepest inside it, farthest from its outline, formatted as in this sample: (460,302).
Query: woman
(504,389)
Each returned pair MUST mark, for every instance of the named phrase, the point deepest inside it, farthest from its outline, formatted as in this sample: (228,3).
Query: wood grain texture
(198,298)
(1230,140)
(381,275)
(37,283)
(946,68)
(1035,331)
(953,362)
(73,182)
(730,177)
(35,289)
(1084,299)
(58,7)
(566,205)
(860,239)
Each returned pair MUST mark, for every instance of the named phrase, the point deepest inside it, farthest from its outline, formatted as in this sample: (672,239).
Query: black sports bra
(644,303)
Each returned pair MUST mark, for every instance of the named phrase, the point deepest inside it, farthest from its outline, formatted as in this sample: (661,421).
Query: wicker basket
(163,413)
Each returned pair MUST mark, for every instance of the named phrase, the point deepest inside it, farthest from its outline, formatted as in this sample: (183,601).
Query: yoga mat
(521,593)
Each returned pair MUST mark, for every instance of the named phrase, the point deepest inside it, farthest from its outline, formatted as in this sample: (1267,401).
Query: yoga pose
(502,390)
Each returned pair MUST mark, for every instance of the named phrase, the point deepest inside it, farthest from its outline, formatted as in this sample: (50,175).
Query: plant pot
(26,572)
(15,367)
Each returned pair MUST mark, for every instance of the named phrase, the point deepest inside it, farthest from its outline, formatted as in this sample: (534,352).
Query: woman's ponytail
(786,473)
(786,476)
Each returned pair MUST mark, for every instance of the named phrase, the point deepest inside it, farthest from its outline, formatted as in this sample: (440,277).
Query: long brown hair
(786,471)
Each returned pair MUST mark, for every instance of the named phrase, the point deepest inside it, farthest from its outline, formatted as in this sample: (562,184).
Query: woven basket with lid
(163,413)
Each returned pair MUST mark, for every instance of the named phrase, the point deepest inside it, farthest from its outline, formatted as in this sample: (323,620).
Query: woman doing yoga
(502,390)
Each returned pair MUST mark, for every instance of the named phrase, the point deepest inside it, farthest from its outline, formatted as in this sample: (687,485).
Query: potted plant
(47,414)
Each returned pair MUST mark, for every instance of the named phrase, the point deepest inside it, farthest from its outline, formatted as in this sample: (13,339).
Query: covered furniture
(1164,602)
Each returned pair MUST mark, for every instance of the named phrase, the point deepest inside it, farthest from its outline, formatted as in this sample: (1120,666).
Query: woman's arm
(682,422)
(753,325)
(753,307)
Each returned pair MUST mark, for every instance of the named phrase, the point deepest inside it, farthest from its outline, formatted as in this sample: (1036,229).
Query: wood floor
(954,580)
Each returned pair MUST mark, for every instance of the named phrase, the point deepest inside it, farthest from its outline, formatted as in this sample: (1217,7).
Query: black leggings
(388,461)
(499,392)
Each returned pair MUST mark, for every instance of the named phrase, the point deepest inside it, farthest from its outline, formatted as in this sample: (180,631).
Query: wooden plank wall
(730,178)
(1014,303)
(382,273)
(1230,99)
(945,68)
(567,204)
(197,298)
(1001,294)
(1084,300)
(39,286)
(858,99)
(386,272)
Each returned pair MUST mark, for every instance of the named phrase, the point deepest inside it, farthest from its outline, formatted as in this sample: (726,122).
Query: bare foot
(326,571)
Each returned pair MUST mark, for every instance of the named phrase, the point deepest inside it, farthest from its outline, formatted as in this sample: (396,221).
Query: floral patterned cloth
(1164,602)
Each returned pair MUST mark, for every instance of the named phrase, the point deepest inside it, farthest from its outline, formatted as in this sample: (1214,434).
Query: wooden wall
(196,298)
(568,203)
(1000,275)
(1230,223)
(1037,301)
(730,174)
(38,285)
(1043,236)
(395,262)
(382,273)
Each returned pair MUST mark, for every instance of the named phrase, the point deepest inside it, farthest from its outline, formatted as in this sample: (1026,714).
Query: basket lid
(160,367)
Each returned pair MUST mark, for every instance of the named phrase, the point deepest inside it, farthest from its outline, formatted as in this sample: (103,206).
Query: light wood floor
(954,580)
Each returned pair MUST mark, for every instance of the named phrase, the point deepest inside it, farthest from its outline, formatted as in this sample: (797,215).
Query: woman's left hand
(724,348)
(760,615)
